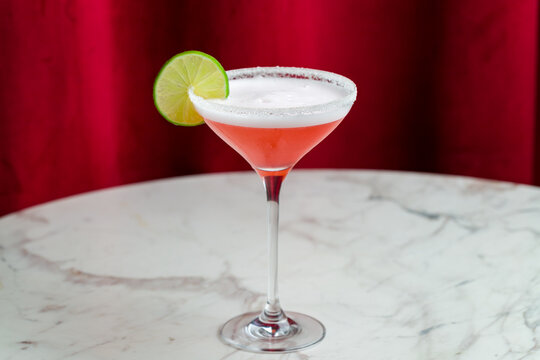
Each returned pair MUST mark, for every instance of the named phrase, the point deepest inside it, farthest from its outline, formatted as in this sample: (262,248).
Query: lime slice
(190,69)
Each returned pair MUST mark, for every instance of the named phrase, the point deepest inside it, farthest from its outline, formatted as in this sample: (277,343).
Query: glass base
(248,332)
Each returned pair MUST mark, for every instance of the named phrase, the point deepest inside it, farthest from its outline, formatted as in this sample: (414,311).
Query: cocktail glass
(272,140)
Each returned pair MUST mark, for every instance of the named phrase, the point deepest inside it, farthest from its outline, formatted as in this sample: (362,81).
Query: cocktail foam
(280,97)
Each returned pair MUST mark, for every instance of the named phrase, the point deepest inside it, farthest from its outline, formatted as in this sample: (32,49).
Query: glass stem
(272,312)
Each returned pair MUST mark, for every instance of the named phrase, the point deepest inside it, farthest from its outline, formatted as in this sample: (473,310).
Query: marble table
(396,265)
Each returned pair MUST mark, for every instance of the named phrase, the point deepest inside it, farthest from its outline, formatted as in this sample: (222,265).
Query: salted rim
(283,72)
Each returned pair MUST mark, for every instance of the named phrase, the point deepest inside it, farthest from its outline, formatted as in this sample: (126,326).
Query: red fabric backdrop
(443,86)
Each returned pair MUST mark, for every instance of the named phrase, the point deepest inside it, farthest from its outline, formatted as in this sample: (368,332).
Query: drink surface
(276,102)
(274,92)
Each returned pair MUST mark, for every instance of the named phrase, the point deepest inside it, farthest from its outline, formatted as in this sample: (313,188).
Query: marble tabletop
(396,265)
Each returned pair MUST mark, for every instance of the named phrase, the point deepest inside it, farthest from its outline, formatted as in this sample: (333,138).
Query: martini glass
(280,116)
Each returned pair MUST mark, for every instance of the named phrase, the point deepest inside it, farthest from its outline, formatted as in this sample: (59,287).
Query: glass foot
(248,332)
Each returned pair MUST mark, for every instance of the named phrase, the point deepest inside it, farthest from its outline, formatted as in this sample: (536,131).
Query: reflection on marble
(396,265)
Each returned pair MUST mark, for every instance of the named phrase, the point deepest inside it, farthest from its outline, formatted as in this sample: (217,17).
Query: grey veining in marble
(396,265)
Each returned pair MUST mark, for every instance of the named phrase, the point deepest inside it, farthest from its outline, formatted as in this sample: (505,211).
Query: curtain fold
(443,86)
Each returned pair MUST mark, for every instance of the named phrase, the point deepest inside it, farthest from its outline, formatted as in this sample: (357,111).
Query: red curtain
(444,86)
